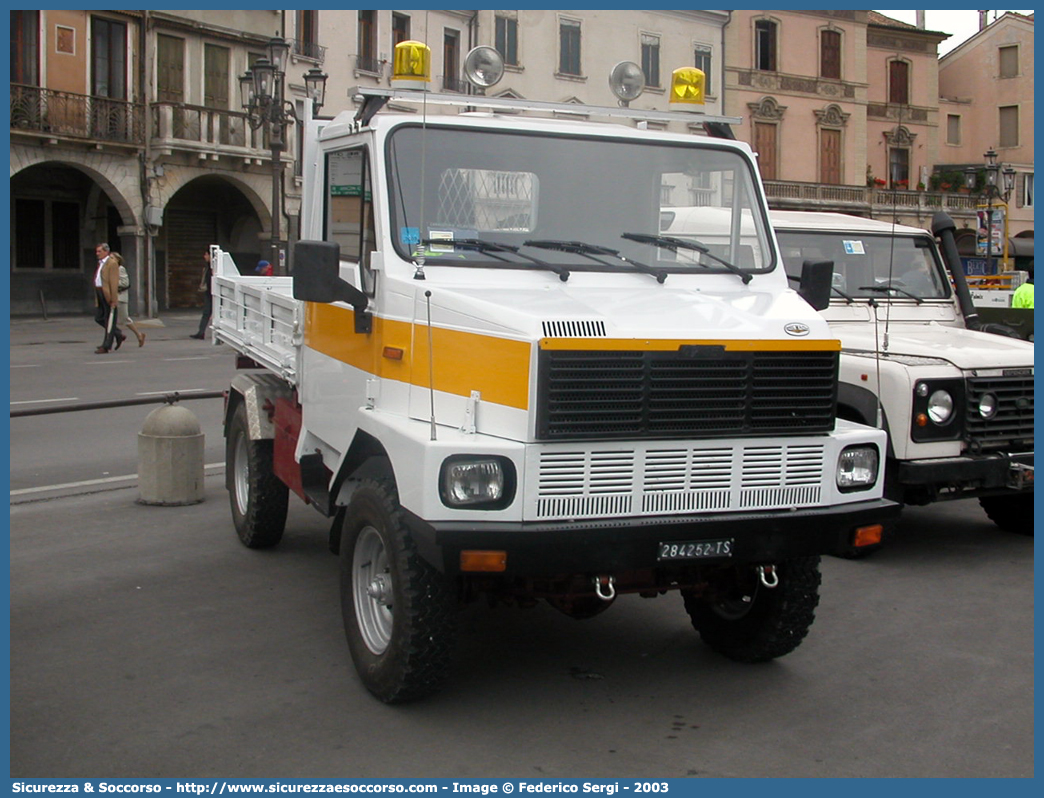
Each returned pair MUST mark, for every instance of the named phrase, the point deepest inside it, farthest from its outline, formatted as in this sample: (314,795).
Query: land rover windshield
(901,267)
(506,199)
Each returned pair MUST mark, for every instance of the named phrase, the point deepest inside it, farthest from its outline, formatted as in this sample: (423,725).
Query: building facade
(986,99)
(127,127)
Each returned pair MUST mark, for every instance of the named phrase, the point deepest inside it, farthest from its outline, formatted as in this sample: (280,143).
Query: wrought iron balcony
(216,131)
(454,84)
(61,114)
(315,52)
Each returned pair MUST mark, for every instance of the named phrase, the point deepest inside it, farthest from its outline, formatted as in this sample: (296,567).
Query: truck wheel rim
(372,590)
(241,475)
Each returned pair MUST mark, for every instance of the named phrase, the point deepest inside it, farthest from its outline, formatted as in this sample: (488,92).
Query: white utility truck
(498,379)
(957,403)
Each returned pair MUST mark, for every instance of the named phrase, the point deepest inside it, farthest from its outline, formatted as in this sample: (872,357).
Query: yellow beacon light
(687,89)
(412,66)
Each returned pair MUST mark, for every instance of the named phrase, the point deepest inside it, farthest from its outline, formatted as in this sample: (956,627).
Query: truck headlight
(480,482)
(857,468)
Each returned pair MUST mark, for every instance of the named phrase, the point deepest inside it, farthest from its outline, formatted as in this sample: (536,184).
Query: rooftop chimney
(920,20)
(982,19)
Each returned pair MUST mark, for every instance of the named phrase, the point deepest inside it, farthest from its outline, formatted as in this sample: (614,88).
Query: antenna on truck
(431,365)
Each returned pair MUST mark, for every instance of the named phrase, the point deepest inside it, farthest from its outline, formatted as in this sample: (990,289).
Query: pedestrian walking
(264,268)
(124,300)
(208,299)
(106,297)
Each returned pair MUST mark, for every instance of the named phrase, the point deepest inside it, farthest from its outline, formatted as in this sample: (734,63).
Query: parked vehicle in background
(957,402)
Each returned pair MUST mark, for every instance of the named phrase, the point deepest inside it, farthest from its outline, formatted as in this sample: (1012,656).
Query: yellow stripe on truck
(464,362)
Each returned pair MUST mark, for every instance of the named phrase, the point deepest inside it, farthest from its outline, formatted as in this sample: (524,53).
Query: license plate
(695,549)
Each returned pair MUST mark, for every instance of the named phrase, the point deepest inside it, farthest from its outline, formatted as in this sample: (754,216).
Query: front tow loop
(768,576)
(606,584)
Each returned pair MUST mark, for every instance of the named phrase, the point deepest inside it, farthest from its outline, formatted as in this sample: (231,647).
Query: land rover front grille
(1011,426)
(701,392)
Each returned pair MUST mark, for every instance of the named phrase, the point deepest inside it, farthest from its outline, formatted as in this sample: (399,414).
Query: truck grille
(695,392)
(1012,424)
(661,479)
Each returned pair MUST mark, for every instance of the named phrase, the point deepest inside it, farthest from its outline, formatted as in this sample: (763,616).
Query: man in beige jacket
(107,297)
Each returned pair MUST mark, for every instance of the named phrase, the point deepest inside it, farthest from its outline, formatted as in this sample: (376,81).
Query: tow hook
(606,584)
(768,576)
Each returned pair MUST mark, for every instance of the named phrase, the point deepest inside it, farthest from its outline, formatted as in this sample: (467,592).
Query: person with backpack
(124,300)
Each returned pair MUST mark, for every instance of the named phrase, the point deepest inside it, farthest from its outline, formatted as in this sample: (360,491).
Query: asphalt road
(147,642)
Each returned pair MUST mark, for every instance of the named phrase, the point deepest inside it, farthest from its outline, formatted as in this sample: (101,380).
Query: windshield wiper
(493,248)
(884,288)
(674,244)
(591,250)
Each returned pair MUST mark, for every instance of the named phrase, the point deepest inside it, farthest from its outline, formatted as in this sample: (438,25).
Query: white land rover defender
(957,402)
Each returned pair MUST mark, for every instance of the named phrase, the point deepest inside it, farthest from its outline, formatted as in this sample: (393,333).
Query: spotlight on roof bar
(627,81)
(484,66)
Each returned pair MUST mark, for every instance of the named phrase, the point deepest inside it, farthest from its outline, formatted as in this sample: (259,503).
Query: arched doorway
(208,210)
(58,214)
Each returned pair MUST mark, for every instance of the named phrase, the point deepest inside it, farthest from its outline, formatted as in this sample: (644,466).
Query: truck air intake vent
(677,395)
(574,329)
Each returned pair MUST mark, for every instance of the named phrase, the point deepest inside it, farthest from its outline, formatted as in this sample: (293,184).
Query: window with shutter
(765,45)
(1009,126)
(765,146)
(1009,61)
(899,82)
(830,54)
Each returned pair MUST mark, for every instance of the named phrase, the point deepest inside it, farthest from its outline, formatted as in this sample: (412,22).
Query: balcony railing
(366,63)
(793,195)
(60,113)
(311,50)
(203,129)
(454,84)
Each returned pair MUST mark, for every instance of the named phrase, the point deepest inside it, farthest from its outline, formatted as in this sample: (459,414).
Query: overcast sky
(960,24)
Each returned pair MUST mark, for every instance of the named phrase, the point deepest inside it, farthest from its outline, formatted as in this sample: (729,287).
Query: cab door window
(349,218)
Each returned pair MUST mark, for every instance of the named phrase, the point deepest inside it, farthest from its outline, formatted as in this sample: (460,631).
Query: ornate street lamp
(262,95)
(994,189)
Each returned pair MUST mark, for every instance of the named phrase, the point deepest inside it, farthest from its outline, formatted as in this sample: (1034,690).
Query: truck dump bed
(257,316)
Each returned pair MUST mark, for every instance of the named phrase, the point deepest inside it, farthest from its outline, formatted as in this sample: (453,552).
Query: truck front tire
(1012,513)
(259,498)
(399,612)
(748,622)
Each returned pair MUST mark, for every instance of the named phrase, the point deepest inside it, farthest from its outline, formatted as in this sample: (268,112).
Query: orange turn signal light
(393,353)
(921,420)
(867,535)
(485,561)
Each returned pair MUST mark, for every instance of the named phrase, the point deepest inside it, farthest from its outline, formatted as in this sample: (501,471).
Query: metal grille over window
(487,199)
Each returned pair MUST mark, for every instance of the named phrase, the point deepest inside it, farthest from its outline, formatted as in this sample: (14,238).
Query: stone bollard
(170,457)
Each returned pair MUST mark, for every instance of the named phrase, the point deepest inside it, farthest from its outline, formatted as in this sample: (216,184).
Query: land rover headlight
(857,468)
(477,482)
(940,407)
(988,405)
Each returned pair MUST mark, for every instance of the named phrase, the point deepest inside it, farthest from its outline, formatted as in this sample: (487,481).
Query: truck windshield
(869,266)
(577,203)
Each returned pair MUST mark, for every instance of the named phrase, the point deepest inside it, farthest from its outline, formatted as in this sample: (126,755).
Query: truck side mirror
(816,282)
(316,279)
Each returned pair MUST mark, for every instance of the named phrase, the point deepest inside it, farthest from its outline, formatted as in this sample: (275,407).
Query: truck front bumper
(970,475)
(625,544)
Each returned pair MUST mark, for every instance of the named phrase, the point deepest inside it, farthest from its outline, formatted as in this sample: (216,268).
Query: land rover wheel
(399,612)
(258,497)
(1012,513)
(745,620)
